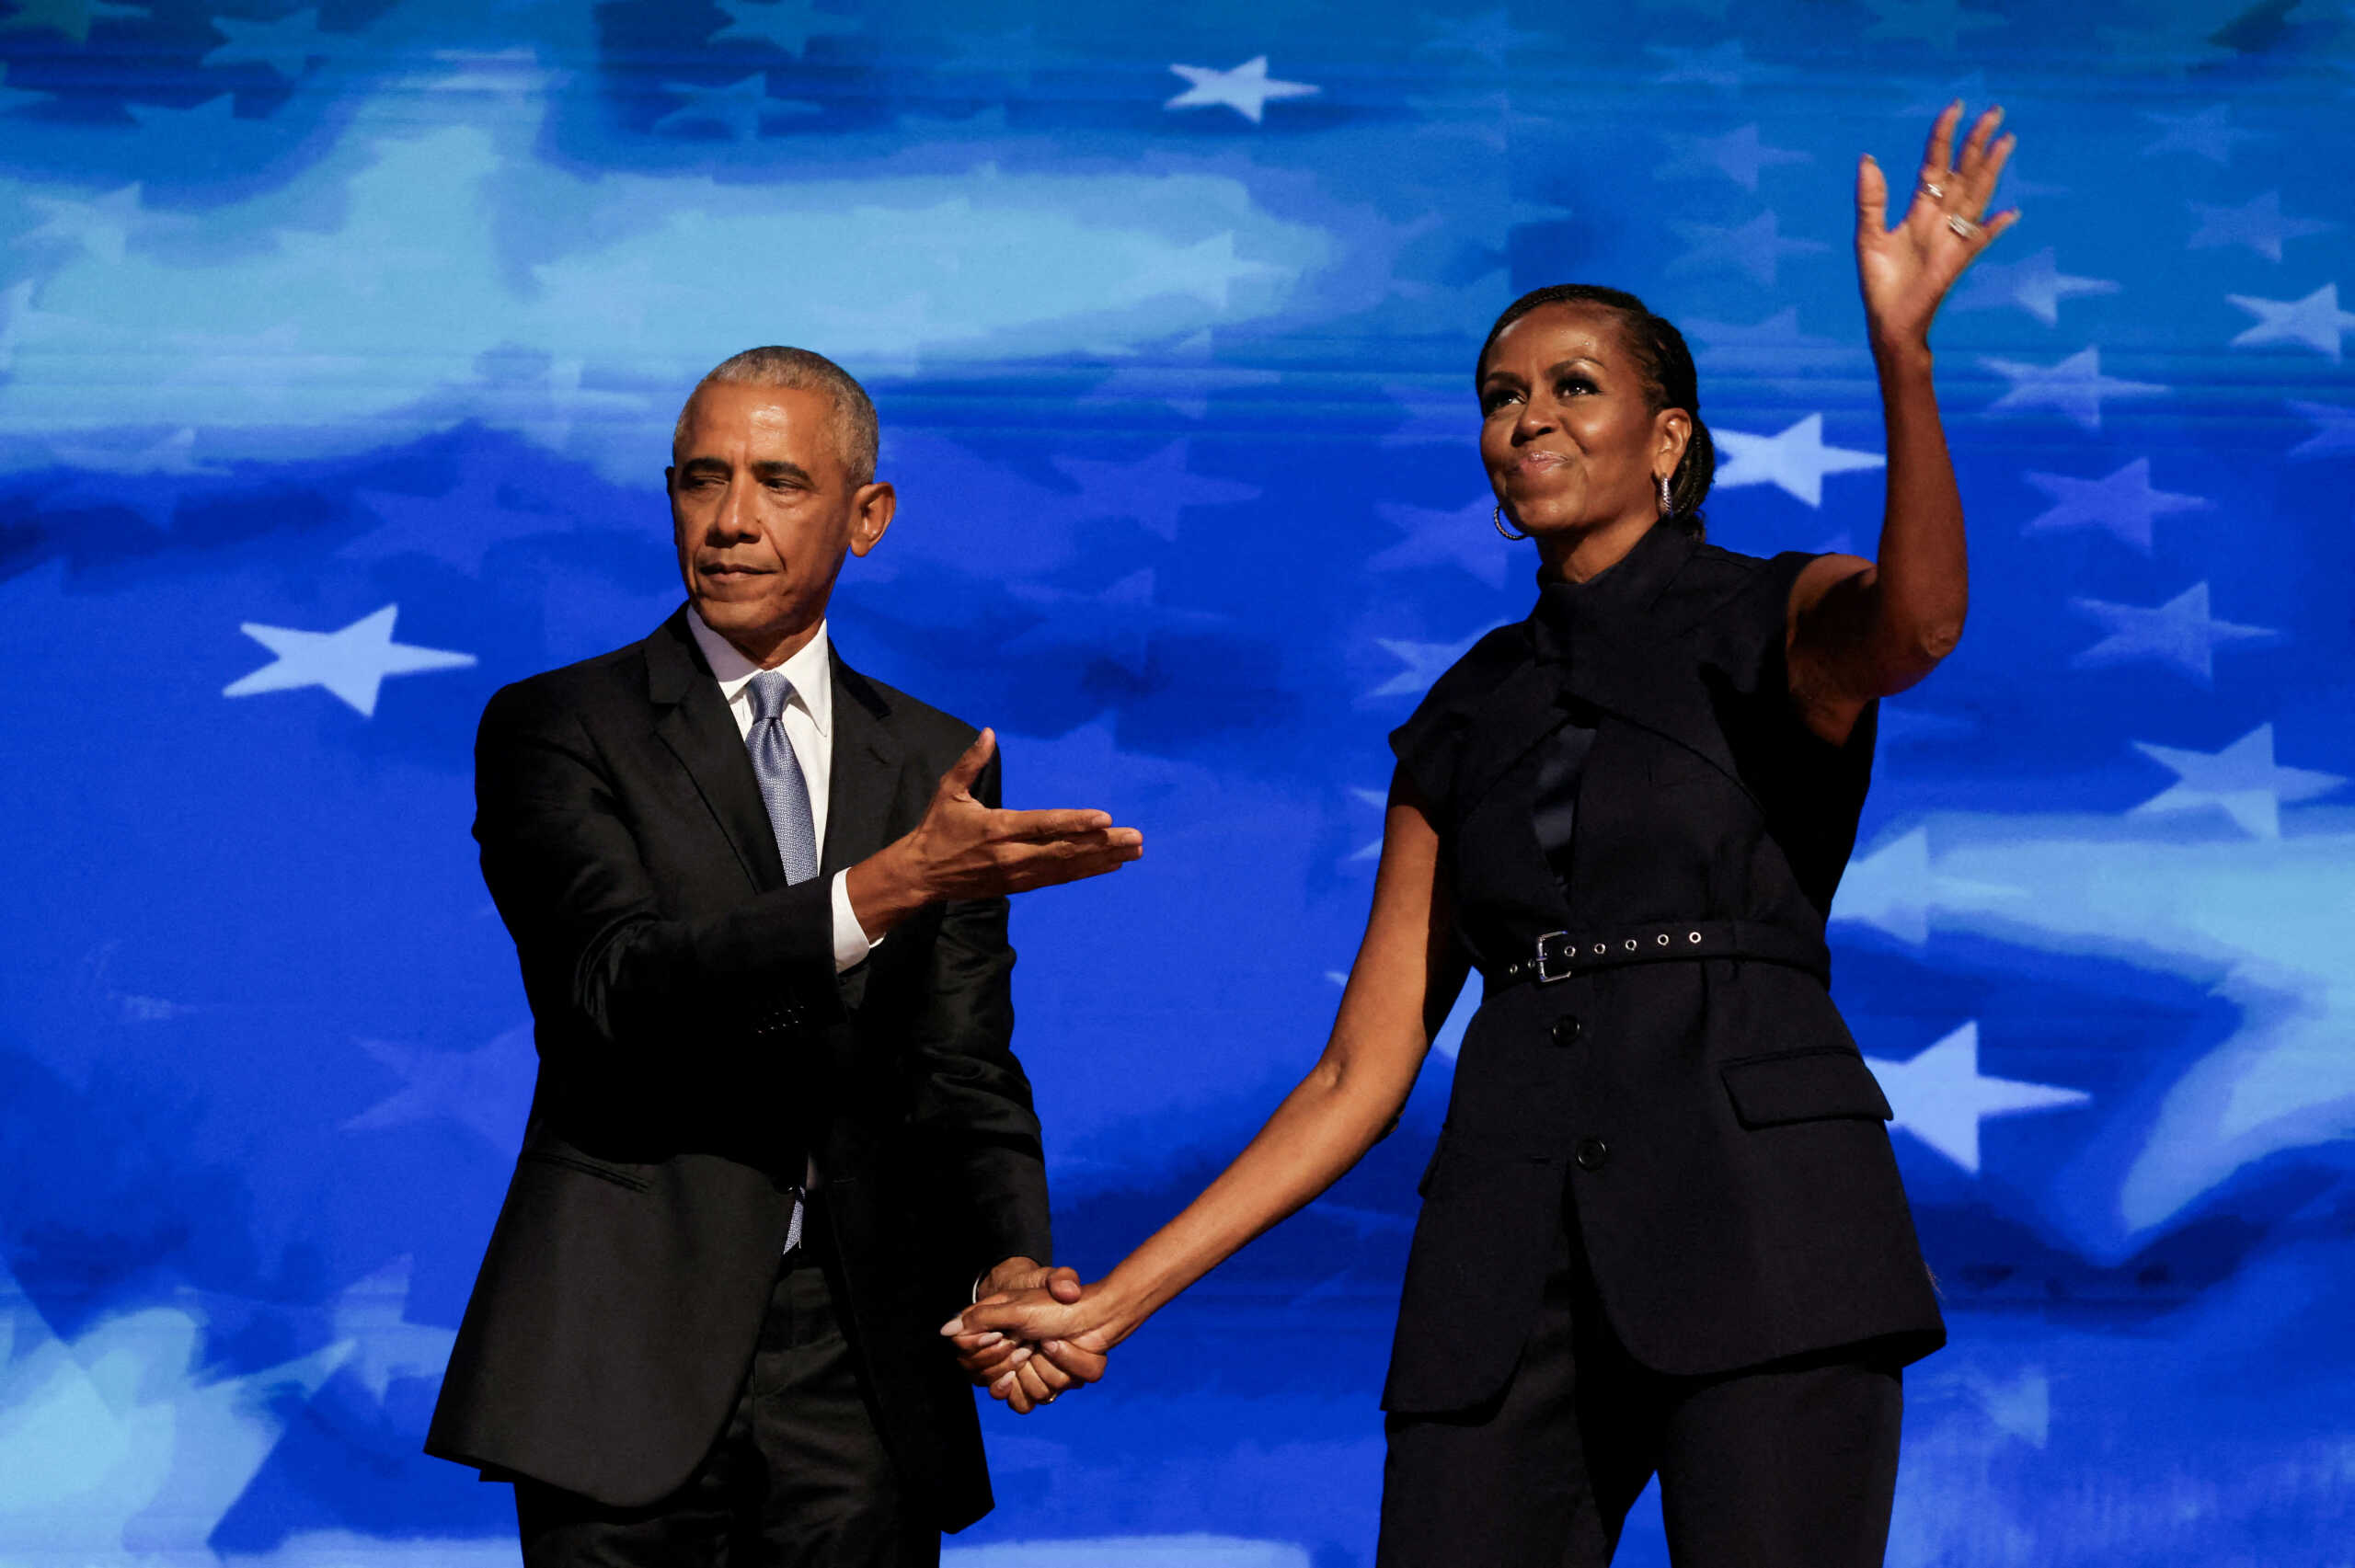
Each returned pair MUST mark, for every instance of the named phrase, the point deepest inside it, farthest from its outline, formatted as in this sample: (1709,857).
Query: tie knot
(771,690)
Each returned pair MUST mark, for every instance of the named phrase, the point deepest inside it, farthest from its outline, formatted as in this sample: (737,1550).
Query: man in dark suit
(778,1133)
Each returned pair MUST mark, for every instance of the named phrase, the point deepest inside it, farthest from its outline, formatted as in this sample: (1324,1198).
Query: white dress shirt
(810,726)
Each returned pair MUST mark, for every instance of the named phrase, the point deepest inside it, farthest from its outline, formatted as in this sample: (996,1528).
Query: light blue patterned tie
(787,794)
(782,789)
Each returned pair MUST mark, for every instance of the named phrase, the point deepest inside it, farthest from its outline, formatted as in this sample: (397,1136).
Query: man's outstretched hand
(963,849)
(1015,1370)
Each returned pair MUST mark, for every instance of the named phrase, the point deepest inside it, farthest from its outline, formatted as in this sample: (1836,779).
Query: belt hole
(1689,936)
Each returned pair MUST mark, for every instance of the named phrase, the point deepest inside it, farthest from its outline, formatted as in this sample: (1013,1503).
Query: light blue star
(352,663)
(1464,537)
(286,46)
(2122,504)
(2314,322)
(1751,249)
(1425,662)
(1942,1098)
(1118,624)
(2334,429)
(2241,781)
(371,1317)
(1774,344)
(2178,633)
(2075,386)
(2033,283)
(1896,889)
(1247,89)
(739,107)
(2260,225)
(101,227)
(1153,492)
(789,25)
(460,525)
(1738,155)
(1794,461)
(1937,22)
(2210,134)
(486,1090)
(1719,66)
(1490,35)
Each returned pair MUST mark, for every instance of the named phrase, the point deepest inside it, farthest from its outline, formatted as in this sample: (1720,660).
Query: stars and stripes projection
(339,349)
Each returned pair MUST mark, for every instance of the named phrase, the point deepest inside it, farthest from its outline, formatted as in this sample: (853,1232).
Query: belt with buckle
(1558,955)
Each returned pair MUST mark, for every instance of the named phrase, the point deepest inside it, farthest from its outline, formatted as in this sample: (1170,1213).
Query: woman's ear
(1673,429)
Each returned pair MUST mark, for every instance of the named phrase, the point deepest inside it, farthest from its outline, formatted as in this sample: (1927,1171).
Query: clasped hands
(1031,1337)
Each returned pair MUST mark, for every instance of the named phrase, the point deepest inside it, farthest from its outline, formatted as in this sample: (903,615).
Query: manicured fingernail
(1020,1357)
(954,1325)
(985,1341)
(1002,1384)
(1051,1346)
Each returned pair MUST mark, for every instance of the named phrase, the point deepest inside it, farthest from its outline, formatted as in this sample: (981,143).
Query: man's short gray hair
(798,370)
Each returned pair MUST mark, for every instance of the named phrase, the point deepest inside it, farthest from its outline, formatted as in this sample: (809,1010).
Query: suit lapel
(693,721)
(863,785)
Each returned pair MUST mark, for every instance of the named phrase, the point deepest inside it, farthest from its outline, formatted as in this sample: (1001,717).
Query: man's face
(762,509)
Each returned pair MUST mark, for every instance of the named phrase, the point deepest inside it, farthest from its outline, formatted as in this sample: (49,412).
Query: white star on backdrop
(2260,225)
(2314,322)
(2075,386)
(2241,781)
(1154,492)
(486,1090)
(287,45)
(1425,662)
(2123,504)
(2208,134)
(1740,156)
(354,662)
(2178,633)
(1935,22)
(101,225)
(371,1315)
(1464,537)
(2033,283)
(1895,889)
(1776,344)
(1942,1098)
(787,24)
(1752,248)
(1118,624)
(739,107)
(1370,848)
(68,18)
(1206,270)
(1794,460)
(1247,89)
(2334,429)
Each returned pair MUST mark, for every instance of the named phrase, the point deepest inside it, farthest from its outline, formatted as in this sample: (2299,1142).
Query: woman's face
(1567,430)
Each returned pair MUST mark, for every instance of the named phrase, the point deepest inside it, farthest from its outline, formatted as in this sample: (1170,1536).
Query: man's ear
(670,479)
(871,511)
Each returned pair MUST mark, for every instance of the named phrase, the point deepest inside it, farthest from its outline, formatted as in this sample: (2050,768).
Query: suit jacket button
(1593,1155)
(1566,1029)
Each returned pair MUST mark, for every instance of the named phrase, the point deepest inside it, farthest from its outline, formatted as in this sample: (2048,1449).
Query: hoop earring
(1497,518)
(1667,502)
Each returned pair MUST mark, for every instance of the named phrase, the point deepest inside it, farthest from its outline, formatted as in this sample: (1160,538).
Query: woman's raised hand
(1905,271)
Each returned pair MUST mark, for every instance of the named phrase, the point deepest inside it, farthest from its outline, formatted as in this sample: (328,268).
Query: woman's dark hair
(1667,366)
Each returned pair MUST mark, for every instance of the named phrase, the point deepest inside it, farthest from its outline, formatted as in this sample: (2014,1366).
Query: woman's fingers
(1082,1365)
(1974,147)
(1872,199)
(1940,153)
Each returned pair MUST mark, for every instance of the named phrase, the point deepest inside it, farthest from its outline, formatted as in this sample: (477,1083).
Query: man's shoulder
(917,723)
(573,688)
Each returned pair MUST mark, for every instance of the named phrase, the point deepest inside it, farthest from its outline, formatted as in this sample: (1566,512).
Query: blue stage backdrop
(339,349)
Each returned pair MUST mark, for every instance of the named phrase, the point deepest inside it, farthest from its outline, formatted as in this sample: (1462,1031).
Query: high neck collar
(1626,587)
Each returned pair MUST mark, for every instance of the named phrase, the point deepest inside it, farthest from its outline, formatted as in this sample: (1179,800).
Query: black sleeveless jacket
(1679,1071)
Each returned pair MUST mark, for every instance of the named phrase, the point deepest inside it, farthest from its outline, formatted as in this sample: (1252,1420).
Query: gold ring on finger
(1964,228)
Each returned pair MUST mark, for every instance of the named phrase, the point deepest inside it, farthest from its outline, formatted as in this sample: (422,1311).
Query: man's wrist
(885,888)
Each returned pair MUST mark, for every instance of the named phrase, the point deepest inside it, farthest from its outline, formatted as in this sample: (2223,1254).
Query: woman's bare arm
(1406,978)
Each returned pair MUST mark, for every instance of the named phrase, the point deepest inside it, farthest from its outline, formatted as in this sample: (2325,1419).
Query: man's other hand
(963,849)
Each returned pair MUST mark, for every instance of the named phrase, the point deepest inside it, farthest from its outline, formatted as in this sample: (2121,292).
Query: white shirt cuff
(851,946)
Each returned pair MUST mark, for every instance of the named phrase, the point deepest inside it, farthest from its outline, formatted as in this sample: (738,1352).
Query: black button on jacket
(1714,1123)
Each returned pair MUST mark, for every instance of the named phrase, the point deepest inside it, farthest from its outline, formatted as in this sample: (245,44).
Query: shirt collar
(811,670)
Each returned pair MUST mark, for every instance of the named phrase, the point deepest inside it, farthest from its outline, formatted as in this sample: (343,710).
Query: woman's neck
(1577,555)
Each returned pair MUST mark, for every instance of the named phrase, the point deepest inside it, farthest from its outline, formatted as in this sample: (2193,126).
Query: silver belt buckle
(1555,951)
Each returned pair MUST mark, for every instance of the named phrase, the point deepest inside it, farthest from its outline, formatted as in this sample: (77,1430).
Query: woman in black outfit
(1663,1231)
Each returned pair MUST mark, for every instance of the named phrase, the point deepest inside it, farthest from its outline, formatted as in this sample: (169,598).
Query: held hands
(1033,1336)
(963,849)
(1905,271)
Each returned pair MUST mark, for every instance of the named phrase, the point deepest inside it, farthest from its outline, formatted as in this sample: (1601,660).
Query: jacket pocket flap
(1803,1087)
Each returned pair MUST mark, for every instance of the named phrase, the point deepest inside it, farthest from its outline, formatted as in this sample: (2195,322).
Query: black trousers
(798,1478)
(1791,1465)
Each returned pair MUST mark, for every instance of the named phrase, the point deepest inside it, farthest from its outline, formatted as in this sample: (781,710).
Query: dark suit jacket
(694,1044)
(1705,1109)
